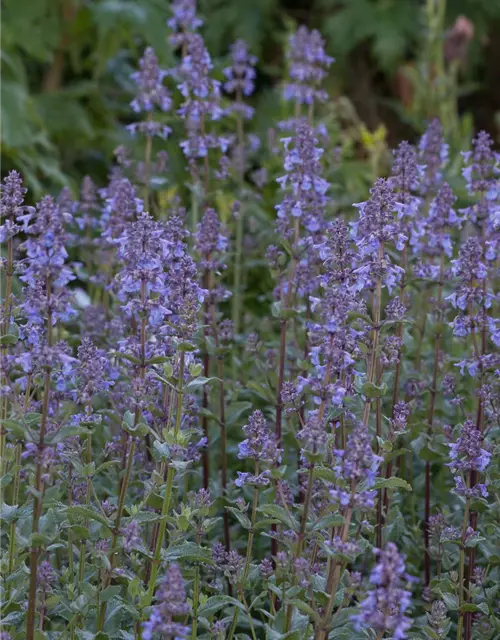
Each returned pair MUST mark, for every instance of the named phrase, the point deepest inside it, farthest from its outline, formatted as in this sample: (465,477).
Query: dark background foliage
(66,67)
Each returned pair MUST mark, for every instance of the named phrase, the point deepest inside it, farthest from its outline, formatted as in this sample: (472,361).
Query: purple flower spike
(171,603)
(308,66)
(384,607)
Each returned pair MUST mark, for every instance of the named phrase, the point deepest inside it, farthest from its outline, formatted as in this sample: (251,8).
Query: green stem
(246,569)
(15,499)
(116,530)
(461,570)
(300,541)
(5,328)
(196,596)
(38,502)
(168,492)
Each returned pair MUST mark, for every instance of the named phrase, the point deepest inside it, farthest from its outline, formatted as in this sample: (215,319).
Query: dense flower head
(405,181)
(375,227)
(87,209)
(376,215)
(433,156)
(313,435)
(196,84)
(151,91)
(183,21)
(468,268)
(405,176)
(170,603)
(260,443)
(305,196)
(211,242)
(358,462)
(13,213)
(384,607)
(46,575)
(121,206)
(440,220)
(201,104)
(240,76)
(45,246)
(142,249)
(481,172)
(308,65)
(92,371)
(481,164)
(467,453)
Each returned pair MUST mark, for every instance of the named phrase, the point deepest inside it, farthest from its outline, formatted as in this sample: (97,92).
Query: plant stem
(196,596)
(461,570)
(147,166)
(4,329)
(246,568)
(430,421)
(38,501)
(15,499)
(116,530)
(168,491)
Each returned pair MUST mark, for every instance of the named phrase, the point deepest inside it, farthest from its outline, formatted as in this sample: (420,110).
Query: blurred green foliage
(66,67)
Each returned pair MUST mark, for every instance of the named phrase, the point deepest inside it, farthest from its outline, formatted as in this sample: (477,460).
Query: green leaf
(235,410)
(6,479)
(14,427)
(87,512)
(189,551)
(371,390)
(242,518)
(305,608)
(391,483)
(68,432)
(16,121)
(216,603)
(330,520)
(199,382)
(110,592)
(450,600)
(280,513)
(429,455)
(324,473)
(9,513)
